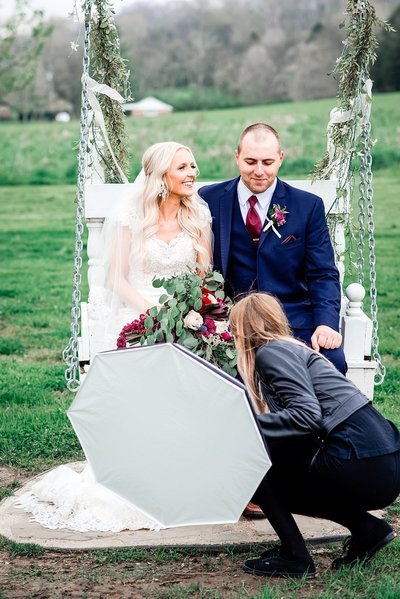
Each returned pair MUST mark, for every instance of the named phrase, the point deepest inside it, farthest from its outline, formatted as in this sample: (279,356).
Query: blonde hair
(256,319)
(156,162)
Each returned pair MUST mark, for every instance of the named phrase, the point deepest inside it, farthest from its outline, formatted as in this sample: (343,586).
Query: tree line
(199,54)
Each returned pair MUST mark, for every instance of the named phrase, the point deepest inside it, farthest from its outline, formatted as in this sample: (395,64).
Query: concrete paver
(16,525)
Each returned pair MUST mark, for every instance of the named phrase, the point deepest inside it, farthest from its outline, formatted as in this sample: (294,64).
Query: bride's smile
(181,175)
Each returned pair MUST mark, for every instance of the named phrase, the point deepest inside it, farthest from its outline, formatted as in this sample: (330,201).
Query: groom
(270,236)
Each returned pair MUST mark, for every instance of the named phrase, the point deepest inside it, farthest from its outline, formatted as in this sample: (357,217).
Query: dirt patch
(55,575)
(141,574)
(12,476)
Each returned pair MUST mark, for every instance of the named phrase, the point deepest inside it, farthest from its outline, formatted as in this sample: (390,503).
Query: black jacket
(304,392)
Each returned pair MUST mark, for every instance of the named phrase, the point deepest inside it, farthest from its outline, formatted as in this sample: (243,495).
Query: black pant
(336,489)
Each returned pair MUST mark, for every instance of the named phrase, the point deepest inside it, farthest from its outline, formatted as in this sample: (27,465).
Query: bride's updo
(193,216)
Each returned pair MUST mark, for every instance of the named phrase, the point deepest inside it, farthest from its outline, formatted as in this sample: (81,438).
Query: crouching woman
(334,456)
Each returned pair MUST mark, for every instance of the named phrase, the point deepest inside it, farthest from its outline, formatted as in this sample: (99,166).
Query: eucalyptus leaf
(197,304)
(218,277)
(196,292)
(174,313)
(190,342)
(212,286)
(149,322)
(153,312)
(151,340)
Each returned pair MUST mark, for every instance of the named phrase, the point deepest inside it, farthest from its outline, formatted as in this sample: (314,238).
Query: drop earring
(163,192)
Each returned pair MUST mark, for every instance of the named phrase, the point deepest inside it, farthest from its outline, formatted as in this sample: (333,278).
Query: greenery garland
(110,68)
(349,139)
(352,71)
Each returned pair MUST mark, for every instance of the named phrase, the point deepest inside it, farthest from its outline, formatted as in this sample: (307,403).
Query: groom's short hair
(262,128)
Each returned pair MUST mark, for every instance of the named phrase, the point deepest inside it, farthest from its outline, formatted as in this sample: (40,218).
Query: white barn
(149,106)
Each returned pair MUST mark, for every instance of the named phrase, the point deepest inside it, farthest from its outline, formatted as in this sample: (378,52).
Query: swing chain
(70,354)
(361,230)
(366,196)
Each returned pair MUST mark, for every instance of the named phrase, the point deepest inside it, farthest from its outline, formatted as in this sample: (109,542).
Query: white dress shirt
(263,200)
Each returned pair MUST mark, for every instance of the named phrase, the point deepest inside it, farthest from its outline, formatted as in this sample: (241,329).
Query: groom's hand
(325,337)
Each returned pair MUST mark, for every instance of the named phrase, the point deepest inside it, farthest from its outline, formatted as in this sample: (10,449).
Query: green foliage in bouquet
(193,312)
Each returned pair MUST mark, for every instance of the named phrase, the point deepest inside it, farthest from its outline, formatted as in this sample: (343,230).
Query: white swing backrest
(102,199)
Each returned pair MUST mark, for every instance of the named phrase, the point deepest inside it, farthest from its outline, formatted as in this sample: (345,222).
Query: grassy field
(36,247)
(45,153)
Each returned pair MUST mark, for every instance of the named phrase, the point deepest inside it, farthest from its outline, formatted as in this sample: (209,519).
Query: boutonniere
(276,217)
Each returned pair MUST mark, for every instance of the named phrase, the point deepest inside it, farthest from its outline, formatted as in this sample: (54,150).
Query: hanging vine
(349,138)
(109,68)
(351,117)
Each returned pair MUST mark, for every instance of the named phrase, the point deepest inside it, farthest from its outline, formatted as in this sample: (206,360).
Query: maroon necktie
(253,220)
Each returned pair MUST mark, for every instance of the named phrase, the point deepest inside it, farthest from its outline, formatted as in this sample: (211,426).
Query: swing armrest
(84,339)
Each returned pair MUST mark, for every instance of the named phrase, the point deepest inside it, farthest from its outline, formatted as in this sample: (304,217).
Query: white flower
(221,326)
(193,320)
(212,298)
(74,46)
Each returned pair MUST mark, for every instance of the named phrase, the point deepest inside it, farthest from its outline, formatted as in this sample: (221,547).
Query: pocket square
(289,239)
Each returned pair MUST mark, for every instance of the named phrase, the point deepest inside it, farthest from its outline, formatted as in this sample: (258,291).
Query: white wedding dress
(63,498)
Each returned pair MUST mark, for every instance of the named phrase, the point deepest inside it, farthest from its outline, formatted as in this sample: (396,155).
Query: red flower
(210,324)
(278,215)
(226,336)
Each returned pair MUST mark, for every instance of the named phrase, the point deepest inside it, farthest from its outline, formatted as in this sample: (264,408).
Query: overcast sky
(55,8)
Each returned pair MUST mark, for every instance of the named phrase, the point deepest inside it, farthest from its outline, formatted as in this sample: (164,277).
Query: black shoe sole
(254,516)
(368,554)
(276,574)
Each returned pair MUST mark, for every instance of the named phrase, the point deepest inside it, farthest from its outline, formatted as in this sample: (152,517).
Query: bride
(164,229)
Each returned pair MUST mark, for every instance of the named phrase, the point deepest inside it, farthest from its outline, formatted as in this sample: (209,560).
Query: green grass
(40,153)
(36,246)
(37,238)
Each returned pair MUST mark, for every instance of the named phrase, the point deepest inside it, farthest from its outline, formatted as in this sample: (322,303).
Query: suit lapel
(279,197)
(225,221)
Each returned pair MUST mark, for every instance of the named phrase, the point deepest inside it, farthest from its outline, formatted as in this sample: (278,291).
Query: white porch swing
(348,135)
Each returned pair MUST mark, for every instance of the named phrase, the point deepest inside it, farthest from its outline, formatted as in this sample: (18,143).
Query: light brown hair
(256,319)
(259,129)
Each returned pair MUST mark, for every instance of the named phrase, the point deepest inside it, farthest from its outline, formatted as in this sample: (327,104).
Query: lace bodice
(162,259)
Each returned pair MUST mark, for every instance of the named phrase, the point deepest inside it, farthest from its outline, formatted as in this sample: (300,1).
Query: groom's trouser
(336,356)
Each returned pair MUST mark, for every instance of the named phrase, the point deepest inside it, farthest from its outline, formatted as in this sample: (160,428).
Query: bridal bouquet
(193,311)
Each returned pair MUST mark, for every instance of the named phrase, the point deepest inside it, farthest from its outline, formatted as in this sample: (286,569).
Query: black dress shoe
(356,551)
(275,565)
(273,551)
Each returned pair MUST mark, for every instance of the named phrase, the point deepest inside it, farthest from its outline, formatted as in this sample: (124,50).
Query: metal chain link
(70,354)
(367,193)
(361,231)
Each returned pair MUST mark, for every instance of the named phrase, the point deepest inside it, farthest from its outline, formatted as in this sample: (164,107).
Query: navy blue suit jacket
(301,272)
